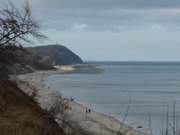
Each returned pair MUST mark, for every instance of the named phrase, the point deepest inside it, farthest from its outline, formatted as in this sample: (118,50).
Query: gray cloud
(106,4)
(103,15)
(114,29)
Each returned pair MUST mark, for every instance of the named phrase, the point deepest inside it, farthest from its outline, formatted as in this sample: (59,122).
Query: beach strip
(88,120)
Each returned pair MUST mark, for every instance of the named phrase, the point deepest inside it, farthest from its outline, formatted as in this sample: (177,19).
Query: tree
(16,26)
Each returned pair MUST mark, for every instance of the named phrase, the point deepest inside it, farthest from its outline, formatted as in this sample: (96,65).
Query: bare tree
(16,25)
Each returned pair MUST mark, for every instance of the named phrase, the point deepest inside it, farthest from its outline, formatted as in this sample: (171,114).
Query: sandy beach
(91,122)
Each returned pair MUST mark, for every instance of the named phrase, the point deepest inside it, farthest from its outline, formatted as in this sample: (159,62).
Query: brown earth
(20,115)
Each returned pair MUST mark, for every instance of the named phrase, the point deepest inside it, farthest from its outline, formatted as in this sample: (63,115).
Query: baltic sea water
(142,91)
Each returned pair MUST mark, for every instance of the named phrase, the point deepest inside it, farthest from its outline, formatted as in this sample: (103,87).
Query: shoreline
(94,122)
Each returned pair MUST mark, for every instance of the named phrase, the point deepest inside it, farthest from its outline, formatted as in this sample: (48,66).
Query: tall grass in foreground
(171,124)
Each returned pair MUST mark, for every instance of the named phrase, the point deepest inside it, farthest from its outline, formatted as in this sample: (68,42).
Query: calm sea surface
(141,91)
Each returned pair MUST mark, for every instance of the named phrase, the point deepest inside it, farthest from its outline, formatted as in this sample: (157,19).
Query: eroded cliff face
(20,115)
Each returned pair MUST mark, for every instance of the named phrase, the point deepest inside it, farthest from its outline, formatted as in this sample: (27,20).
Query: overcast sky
(117,30)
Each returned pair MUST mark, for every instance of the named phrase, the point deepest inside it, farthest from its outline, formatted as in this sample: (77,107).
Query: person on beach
(88,110)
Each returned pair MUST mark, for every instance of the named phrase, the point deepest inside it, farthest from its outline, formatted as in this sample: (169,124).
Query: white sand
(93,122)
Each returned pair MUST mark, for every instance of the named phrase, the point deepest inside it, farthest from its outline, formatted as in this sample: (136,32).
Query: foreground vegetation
(20,115)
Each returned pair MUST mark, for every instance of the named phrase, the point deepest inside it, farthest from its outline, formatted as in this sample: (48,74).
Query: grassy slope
(20,115)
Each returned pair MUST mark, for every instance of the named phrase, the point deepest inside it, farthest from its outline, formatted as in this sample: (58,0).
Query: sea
(145,95)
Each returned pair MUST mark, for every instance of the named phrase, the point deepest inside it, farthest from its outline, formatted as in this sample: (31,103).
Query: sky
(111,30)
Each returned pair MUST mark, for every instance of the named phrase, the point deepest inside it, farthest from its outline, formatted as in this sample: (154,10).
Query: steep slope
(20,115)
(58,54)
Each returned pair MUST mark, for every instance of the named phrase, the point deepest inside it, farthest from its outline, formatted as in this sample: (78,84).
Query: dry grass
(20,115)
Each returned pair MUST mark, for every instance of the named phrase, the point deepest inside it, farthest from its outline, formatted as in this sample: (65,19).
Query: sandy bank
(20,115)
(92,122)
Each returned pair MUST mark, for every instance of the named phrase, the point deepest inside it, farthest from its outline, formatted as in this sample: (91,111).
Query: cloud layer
(113,22)
(113,15)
